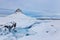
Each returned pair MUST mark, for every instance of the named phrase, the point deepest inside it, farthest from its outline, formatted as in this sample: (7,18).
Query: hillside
(18,17)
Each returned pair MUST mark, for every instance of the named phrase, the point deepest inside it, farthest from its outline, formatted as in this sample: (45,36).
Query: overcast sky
(37,5)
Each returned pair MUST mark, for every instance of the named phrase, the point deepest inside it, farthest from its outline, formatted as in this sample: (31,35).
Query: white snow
(45,30)
(41,34)
(18,17)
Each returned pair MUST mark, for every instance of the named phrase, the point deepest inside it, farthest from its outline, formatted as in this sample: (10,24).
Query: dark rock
(47,31)
(27,34)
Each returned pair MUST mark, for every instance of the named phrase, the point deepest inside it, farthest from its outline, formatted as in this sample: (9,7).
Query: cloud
(38,5)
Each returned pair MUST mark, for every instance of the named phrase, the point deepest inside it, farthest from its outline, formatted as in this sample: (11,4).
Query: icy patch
(20,32)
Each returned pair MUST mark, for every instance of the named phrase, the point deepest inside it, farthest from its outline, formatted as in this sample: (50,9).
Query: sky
(34,5)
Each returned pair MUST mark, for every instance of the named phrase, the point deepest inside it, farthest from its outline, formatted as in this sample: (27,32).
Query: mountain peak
(18,10)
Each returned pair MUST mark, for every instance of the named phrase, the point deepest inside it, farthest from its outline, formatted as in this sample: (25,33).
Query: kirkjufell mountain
(18,17)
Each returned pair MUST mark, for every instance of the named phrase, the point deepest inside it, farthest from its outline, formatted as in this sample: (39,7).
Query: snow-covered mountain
(18,17)
(45,30)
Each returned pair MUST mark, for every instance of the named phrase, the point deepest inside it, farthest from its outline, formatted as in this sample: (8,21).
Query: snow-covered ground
(40,30)
(46,30)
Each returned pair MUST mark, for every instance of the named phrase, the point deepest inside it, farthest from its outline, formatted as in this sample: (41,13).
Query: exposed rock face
(18,10)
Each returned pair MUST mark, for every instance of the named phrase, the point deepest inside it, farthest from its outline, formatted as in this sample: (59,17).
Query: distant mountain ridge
(5,12)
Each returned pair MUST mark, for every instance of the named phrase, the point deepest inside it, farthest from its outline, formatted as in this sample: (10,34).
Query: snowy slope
(18,17)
